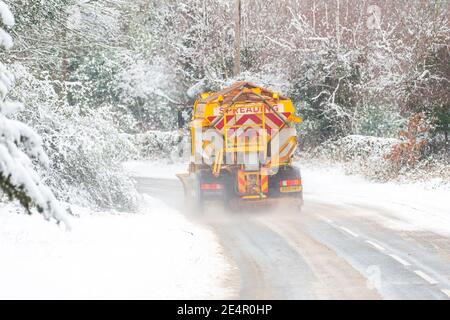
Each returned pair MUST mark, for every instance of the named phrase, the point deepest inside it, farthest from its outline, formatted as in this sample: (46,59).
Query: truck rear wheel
(291,175)
(207,188)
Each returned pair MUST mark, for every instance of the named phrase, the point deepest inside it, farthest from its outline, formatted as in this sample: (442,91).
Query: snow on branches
(19,144)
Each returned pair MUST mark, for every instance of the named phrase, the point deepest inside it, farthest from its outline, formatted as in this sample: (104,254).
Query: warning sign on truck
(256,109)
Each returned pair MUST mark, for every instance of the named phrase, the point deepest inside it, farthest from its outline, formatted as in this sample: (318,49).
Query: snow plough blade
(193,203)
(184,178)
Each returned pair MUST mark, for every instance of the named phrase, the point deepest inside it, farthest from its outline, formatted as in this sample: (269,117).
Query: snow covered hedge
(85,148)
(359,154)
(433,171)
(366,155)
(163,145)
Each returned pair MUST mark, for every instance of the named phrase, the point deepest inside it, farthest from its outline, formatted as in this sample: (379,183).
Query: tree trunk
(237,41)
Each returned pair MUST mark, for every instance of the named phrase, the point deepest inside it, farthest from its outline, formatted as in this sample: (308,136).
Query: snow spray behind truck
(242,142)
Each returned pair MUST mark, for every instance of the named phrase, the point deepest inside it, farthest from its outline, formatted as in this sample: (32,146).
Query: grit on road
(326,251)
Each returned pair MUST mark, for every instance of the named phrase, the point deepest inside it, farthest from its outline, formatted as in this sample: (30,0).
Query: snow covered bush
(434,170)
(162,144)
(414,139)
(359,154)
(89,164)
(85,147)
(19,144)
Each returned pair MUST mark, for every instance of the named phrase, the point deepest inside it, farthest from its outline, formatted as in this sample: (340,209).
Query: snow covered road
(352,240)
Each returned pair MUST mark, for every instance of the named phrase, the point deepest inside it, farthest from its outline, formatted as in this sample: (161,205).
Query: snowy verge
(154,169)
(156,254)
(398,206)
(368,156)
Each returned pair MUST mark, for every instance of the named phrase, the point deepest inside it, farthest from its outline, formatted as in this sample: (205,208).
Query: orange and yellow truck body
(242,142)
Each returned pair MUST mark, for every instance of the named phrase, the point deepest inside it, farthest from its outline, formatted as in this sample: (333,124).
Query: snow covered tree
(117,70)
(70,96)
(19,144)
(148,89)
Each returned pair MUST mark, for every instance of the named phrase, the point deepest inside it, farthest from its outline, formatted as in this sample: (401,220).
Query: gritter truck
(242,142)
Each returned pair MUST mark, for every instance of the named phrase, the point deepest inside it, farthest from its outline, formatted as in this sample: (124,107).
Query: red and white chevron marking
(272,121)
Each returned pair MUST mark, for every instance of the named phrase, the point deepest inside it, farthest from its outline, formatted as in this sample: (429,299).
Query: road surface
(324,252)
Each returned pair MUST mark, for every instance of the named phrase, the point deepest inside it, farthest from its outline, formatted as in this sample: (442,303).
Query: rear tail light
(211,186)
(287,183)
